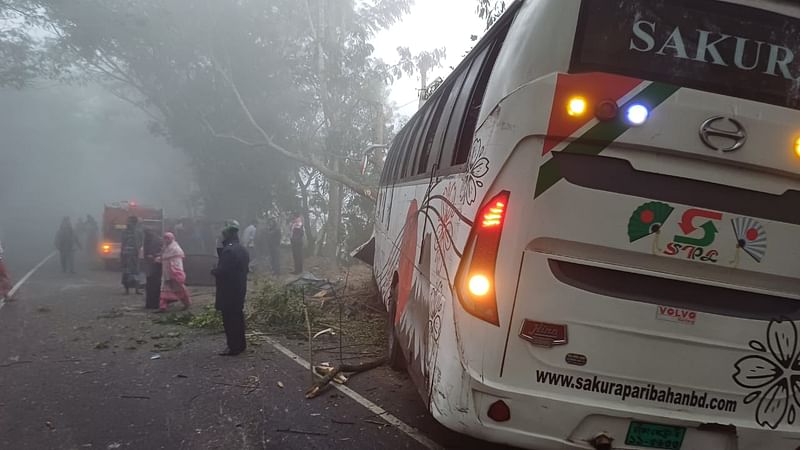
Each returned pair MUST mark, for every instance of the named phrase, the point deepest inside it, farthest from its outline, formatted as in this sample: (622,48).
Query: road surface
(83,366)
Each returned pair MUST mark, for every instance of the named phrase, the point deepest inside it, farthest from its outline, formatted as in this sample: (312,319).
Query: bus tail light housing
(797,147)
(499,411)
(475,280)
(106,248)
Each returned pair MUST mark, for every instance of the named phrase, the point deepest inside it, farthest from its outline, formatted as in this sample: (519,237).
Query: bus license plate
(651,435)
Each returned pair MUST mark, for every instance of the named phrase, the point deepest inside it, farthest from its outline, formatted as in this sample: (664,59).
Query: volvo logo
(723,134)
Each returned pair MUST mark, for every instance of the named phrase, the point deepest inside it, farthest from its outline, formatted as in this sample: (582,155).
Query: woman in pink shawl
(173,278)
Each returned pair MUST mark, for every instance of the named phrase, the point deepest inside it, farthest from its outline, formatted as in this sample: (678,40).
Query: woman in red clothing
(173,278)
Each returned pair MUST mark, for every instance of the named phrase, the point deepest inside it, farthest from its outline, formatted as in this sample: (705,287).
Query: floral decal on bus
(477,168)
(772,375)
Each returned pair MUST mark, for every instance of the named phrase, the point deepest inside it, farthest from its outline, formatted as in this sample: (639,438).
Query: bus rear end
(643,235)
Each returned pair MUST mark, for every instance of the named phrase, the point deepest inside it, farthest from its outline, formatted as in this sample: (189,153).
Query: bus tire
(395,357)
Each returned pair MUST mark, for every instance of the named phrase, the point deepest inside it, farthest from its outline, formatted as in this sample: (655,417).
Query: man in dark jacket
(152,251)
(231,277)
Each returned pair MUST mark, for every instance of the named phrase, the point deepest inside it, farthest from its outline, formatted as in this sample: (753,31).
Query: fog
(68,150)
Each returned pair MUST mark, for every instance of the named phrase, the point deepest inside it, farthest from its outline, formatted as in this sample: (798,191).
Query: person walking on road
(5,278)
(173,277)
(66,243)
(273,237)
(296,239)
(231,281)
(152,254)
(129,255)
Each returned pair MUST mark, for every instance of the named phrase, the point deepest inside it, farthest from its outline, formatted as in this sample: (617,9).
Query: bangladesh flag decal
(648,219)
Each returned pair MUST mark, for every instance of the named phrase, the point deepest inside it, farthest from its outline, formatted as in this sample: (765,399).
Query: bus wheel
(394,351)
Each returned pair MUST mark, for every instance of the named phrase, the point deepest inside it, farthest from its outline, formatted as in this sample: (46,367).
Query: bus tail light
(499,411)
(106,248)
(797,147)
(475,280)
(576,106)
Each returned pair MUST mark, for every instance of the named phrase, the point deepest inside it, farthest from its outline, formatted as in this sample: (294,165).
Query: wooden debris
(320,385)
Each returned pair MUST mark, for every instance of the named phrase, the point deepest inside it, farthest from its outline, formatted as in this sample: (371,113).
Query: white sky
(430,24)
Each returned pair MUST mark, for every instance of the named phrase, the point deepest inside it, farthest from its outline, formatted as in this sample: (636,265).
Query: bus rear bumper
(552,423)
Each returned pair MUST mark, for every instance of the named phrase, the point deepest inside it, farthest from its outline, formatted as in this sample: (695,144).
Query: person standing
(5,278)
(249,239)
(273,238)
(173,277)
(129,255)
(231,281)
(296,239)
(66,242)
(152,254)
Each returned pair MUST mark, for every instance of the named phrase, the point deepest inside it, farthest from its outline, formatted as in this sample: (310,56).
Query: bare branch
(230,136)
(303,159)
(138,105)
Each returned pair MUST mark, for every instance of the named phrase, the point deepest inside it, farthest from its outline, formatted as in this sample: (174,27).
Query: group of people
(165,279)
(257,239)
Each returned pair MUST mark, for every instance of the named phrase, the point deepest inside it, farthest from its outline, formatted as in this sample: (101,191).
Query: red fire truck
(115,219)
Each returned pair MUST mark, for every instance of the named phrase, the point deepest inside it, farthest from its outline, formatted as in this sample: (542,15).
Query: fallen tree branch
(320,385)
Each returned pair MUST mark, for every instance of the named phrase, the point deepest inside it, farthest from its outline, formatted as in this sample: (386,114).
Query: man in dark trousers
(231,276)
(152,251)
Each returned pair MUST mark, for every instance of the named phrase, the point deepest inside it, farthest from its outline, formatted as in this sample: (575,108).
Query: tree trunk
(334,217)
(304,207)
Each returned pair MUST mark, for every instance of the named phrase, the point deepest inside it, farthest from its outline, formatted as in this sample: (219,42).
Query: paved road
(76,372)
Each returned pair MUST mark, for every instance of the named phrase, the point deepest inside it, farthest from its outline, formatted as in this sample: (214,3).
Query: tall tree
(422,63)
(490,10)
(247,88)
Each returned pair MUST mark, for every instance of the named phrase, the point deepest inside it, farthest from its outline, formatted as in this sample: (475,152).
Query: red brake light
(476,274)
(493,214)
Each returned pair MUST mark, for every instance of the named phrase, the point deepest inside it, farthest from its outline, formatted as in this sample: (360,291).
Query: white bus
(589,236)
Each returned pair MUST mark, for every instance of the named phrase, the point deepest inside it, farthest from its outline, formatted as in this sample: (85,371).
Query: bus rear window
(707,45)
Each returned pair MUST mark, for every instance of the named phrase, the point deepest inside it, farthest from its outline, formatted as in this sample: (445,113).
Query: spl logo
(699,232)
(697,238)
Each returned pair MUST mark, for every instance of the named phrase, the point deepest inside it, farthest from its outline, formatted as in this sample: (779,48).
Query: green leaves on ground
(207,318)
(276,306)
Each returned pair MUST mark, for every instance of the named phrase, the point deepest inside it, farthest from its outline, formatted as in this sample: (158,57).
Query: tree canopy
(264,97)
